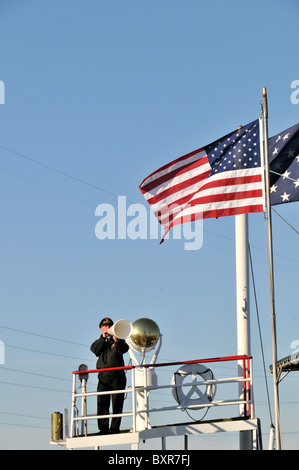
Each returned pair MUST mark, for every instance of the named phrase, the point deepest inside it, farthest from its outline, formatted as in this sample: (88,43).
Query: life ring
(185,400)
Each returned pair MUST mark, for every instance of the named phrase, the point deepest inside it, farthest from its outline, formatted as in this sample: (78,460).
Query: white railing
(140,408)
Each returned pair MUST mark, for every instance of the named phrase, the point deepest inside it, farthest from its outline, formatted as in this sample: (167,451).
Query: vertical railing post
(250,391)
(133,399)
(84,409)
(73,404)
(146,397)
(244,388)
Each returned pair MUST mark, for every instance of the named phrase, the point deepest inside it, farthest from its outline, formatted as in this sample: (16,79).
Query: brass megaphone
(122,329)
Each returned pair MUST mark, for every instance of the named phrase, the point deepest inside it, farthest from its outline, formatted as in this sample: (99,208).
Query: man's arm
(121,346)
(97,346)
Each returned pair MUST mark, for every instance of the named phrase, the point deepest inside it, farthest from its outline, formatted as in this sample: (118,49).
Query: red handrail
(215,359)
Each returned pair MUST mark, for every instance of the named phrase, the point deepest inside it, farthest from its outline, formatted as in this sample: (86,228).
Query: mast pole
(243,311)
(271,273)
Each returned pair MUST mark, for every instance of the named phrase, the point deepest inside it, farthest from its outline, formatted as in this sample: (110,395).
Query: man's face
(104,330)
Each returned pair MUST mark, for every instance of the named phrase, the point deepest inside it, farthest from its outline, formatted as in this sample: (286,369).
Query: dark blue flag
(284,166)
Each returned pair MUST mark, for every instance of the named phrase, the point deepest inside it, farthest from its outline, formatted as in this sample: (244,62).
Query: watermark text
(2,92)
(135,222)
(295,93)
(2,352)
(295,353)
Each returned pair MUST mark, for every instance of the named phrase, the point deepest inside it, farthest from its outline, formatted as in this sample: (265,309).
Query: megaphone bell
(122,329)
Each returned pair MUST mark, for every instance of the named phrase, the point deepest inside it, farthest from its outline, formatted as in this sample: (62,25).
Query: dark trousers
(107,383)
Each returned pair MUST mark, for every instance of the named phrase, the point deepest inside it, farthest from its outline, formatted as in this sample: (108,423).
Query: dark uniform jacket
(109,353)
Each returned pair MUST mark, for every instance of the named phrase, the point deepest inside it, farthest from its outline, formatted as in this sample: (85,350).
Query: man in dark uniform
(109,350)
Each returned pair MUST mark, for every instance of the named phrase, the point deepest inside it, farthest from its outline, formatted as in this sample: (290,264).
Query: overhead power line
(43,336)
(44,186)
(23,416)
(33,373)
(23,425)
(60,172)
(44,352)
(34,386)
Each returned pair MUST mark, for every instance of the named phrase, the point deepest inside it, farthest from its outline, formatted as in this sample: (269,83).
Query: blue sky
(98,95)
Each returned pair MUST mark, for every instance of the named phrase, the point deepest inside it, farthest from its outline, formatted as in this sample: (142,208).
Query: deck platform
(133,439)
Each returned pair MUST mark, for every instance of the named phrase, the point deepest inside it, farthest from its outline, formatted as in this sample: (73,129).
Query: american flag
(221,179)
(284,166)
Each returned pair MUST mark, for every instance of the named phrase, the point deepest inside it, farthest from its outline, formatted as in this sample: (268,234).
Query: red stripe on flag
(179,187)
(217,213)
(168,166)
(236,196)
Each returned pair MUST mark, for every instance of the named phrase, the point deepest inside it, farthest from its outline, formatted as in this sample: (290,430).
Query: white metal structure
(80,438)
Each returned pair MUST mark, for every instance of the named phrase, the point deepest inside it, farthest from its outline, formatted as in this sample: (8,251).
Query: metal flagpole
(243,311)
(271,273)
